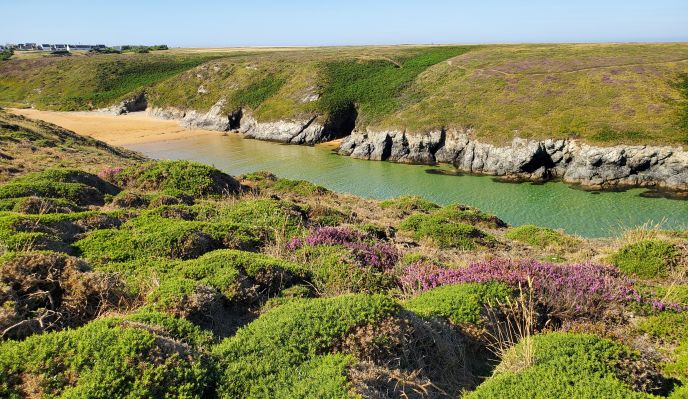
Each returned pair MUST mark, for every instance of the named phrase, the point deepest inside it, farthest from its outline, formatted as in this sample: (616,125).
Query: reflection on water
(551,204)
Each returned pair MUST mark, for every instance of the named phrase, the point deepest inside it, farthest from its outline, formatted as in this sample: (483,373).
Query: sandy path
(133,128)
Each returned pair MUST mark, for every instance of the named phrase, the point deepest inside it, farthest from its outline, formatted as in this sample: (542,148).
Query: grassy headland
(125,277)
(600,93)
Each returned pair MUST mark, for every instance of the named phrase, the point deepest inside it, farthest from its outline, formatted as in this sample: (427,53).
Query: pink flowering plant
(579,290)
(110,174)
(379,255)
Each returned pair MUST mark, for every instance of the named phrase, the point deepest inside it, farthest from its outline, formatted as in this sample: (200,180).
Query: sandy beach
(133,128)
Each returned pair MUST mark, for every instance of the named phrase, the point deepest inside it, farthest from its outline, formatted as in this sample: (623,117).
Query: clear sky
(207,23)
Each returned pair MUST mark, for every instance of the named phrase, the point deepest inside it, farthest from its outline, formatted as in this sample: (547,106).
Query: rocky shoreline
(660,167)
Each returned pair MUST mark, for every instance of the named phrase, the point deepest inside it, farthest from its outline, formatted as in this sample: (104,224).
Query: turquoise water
(554,204)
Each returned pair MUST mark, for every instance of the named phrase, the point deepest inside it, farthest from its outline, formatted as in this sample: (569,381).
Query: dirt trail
(133,128)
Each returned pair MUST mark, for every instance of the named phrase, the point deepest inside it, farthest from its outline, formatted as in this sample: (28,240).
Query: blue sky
(205,23)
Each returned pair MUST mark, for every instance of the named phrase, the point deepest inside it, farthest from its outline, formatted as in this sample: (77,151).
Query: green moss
(177,178)
(284,352)
(647,258)
(541,237)
(459,303)
(107,358)
(564,366)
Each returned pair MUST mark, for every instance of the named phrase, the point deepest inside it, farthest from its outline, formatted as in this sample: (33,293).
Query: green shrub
(178,178)
(666,326)
(228,272)
(274,216)
(541,237)
(409,204)
(106,359)
(333,271)
(283,353)
(445,235)
(564,366)
(151,235)
(449,227)
(68,184)
(300,187)
(459,303)
(647,258)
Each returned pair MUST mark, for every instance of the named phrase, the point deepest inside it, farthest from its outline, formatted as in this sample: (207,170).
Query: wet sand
(122,130)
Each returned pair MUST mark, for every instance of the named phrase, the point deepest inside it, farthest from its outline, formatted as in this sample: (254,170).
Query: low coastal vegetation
(127,277)
(634,93)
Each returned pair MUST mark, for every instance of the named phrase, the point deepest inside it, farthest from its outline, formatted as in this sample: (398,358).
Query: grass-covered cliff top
(125,277)
(601,93)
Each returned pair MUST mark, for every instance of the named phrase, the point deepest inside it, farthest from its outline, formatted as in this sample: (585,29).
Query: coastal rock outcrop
(597,167)
(134,104)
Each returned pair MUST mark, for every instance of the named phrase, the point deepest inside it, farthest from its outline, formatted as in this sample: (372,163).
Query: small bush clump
(459,303)
(646,258)
(570,366)
(72,185)
(541,237)
(452,227)
(284,353)
(409,204)
(151,235)
(177,178)
(107,358)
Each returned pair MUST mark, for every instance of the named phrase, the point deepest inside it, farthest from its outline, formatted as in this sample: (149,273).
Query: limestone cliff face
(648,166)
(573,162)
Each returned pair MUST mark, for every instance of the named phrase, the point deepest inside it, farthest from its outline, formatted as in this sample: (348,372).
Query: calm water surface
(553,205)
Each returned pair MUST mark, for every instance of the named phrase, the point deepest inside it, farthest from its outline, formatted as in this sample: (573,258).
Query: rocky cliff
(573,162)
(569,160)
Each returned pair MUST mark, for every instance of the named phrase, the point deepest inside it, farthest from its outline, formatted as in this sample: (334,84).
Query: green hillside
(127,277)
(601,93)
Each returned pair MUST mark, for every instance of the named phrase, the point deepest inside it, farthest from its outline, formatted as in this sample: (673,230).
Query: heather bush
(177,178)
(570,366)
(542,237)
(459,303)
(378,255)
(646,258)
(107,358)
(284,353)
(586,290)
